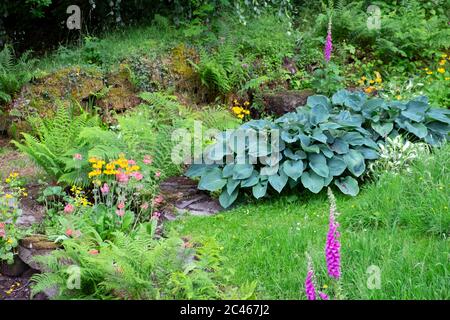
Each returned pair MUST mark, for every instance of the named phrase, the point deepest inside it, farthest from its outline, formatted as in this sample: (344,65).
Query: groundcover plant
(224,150)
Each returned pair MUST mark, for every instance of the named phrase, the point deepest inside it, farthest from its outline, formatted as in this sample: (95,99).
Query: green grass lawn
(400,224)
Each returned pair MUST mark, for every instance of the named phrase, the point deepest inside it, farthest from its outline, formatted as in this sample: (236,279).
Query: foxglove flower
(328,44)
(309,282)
(333,246)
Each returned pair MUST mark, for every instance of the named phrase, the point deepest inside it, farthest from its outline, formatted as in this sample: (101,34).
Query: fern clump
(14,73)
(136,267)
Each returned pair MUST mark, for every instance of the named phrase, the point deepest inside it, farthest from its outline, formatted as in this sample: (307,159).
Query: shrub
(326,141)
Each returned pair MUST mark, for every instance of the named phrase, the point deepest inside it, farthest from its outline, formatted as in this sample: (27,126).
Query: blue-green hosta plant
(326,142)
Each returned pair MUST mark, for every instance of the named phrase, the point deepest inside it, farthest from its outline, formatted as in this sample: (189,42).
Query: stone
(183,197)
(282,102)
(33,246)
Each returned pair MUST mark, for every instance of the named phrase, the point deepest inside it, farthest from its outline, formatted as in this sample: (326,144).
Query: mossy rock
(39,97)
(120,94)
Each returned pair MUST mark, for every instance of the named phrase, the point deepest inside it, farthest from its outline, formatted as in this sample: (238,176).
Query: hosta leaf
(318,100)
(242,171)
(439,127)
(278,181)
(226,199)
(340,146)
(212,180)
(417,129)
(415,110)
(339,97)
(251,181)
(299,154)
(336,166)
(383,129)
(354,138)
(355,162)
(442,115)
(347,185)
(260,189)
(318,135)
(368,153)
(232,185)
(318,164)
(311,149)
(228,170)
(196,170)
(355,100)
(293,169)
(319,114)
(269,170)
(312,181)
(326,151)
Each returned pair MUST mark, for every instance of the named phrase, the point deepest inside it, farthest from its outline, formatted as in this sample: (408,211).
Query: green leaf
(355,162)
(312,181)
(228,170)
(318,164)
(340,146)
(418,129)
(293,169)
(347,185)
(278,181)
(196,170)
(442,115)
(260,189)
(226,199)
(251,181)
(232,185)
(415,110)
(242,171)
(319,114)
(383,129)
(336,166)
(212,180)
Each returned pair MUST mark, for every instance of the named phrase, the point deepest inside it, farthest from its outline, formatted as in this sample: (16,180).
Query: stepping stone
(33,246)
(182,196)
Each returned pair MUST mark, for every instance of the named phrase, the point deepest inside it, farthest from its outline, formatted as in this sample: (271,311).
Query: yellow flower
(443,55)
(247,112)
(378,78)
(8,196)
(441,70)
(94,173)
(246,103)
(429,72)
(363,78)
(110,166)
(236,110)
(134,168)
(426,69)
(25,194)
(13,175)
(92,160)
(398,97)
(325,286)
(447,78)
(369,89)
(442,62)
(240,116)
(9,241)
(8,180)
(371,81)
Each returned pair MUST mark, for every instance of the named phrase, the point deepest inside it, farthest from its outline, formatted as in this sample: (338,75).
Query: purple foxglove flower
(323,296)
(328,44)
(333,246)
(309,282)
